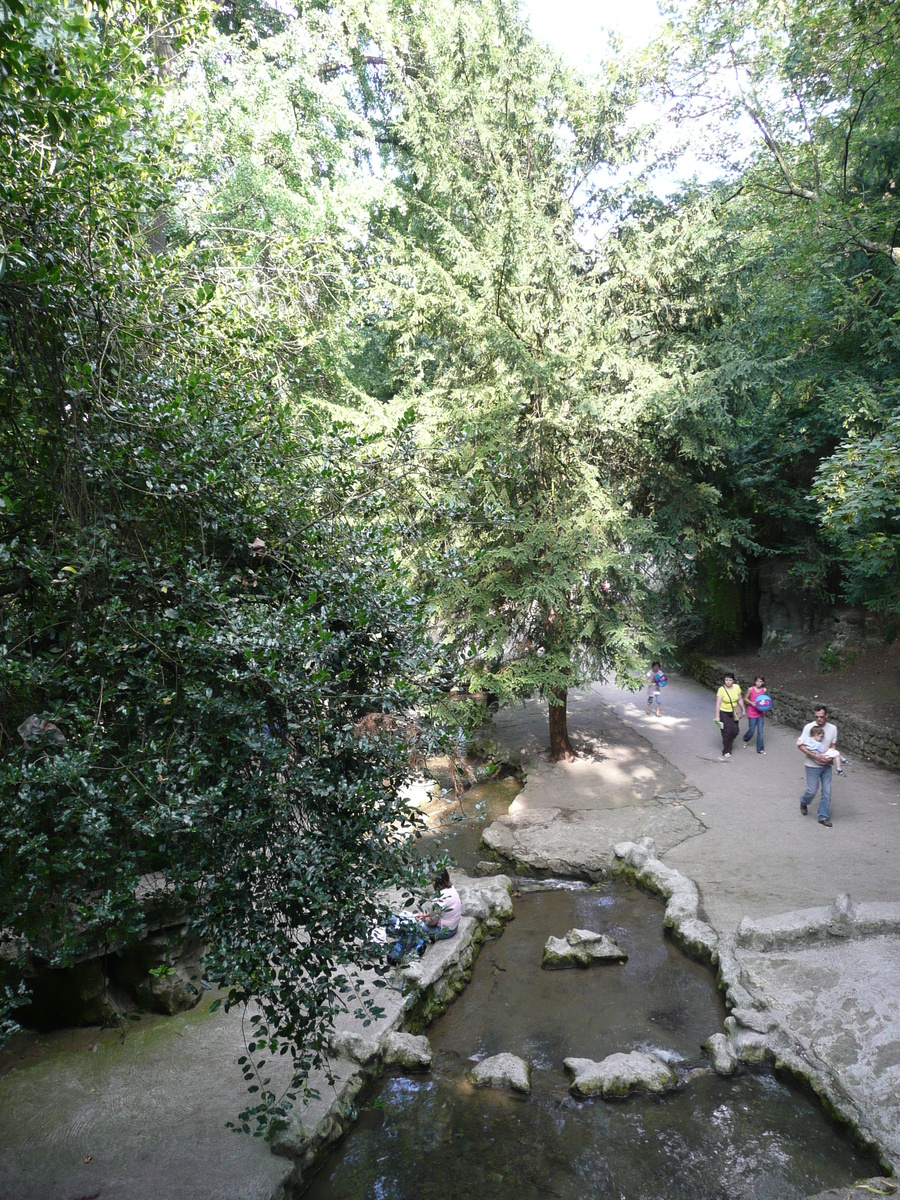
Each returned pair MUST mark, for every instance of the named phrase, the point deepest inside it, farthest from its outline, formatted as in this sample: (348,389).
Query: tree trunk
(560,746)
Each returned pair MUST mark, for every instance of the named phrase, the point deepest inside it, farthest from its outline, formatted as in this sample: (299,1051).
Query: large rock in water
(580,948)
(503,1070)
(722,1056)
(619,1075)
(407,1050)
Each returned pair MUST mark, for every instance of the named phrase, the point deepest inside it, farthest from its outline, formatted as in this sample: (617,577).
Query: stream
(435,1137)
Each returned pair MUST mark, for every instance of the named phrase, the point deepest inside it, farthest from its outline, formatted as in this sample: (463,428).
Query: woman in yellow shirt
(729,710)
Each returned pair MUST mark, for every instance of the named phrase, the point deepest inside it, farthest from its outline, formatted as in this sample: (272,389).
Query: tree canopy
(798,103)
(199,587)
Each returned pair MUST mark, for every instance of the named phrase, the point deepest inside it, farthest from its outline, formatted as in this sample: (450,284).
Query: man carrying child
(817,742)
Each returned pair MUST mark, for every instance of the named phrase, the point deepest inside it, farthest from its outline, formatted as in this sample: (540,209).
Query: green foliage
(273,207)
(809,201)
(720,599)
(673,397)
(858,488)
(489,315)
(209,693)
(830,660)
(210,705)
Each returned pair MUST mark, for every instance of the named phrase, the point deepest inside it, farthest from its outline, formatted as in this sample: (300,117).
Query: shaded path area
(735,829)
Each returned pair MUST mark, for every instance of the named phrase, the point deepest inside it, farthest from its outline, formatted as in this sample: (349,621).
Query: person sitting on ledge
(440,917)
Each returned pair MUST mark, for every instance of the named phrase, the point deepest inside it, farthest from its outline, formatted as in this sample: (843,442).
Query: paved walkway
(735,828)
(742,838)
(759,855)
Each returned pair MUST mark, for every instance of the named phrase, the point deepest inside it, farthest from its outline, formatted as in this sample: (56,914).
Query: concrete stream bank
(87,1114)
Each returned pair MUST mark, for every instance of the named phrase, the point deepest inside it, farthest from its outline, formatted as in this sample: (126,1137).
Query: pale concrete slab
(564,841)
(841,1003)
(89,1113)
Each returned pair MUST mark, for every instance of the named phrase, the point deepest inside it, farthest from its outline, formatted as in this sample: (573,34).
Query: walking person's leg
(730,730)
(760,740)
(824,813)
(812,786)
(751,721)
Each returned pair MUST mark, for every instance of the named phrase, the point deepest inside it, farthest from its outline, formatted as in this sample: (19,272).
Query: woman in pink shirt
(440,917)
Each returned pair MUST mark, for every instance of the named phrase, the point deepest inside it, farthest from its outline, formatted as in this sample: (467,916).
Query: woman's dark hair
(442,881)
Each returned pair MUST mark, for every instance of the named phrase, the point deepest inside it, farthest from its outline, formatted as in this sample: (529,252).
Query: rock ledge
(503,1070)
(620,1075)
(581,948)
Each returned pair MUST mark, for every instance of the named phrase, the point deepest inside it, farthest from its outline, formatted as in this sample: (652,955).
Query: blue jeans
(757,724)
(814,776)
(435,933)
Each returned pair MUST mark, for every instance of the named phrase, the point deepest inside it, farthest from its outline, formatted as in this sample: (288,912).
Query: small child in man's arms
(813,741)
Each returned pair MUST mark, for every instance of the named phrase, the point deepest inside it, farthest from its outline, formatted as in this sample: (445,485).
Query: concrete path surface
(735,829)
(759,855)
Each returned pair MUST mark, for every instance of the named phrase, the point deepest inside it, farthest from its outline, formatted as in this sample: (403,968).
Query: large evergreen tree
(485,315)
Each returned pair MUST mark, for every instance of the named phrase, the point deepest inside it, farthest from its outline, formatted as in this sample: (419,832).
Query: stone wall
(867,740)
(789,617)
(159,972)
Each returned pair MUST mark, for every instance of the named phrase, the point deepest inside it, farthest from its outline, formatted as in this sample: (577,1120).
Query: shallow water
(434,1137)
(457,825)
(658,1000)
